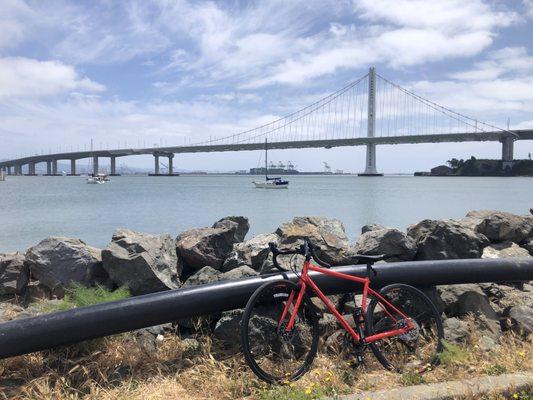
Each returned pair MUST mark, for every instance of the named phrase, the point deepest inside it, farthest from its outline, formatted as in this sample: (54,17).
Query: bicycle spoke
(418,346)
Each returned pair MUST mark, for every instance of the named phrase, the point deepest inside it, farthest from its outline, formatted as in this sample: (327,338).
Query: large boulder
(469,299)
(243,226)
(500,226)
(252,252)
(522,319)
(529,246)
(445,239)
(144,263)
(504,250)
(199,247)
(203,276)
(59,261)
(396,245)
(14,275)
(371,227)
(456,330)
(328,234)
(241,272)
(227,329)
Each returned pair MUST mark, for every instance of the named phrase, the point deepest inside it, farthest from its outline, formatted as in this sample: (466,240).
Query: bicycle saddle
(368,259)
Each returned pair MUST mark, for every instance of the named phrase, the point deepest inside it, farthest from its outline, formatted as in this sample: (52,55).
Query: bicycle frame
(305,282)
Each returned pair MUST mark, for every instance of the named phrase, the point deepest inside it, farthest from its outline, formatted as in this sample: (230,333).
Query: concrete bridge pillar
(54,167)
(370,168)
(72,167)
(31,168)
(507,148)
(9,170)
(113,166)
(49,167)
(156,166)
(170,164)
(95,165)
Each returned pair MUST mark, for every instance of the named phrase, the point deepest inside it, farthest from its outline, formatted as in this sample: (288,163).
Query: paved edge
(451,389)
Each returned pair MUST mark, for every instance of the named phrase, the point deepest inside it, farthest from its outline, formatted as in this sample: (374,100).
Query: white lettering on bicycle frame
(281,295)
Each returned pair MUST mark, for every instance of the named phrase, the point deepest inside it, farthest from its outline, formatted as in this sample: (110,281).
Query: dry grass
(122,367)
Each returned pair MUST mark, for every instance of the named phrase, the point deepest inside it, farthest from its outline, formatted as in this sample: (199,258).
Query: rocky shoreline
(145,263)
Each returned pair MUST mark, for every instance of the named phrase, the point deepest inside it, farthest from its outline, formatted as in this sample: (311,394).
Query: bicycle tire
(370,325)
(306,307)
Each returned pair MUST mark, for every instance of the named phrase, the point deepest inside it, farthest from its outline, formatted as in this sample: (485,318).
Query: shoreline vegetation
(482,167)
(488,326)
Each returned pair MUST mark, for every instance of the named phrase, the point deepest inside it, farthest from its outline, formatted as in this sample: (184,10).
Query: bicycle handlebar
(307,250)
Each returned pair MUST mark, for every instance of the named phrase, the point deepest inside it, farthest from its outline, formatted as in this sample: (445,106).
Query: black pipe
(50,330)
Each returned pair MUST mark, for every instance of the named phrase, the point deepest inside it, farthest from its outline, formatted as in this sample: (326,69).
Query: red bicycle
(280,330)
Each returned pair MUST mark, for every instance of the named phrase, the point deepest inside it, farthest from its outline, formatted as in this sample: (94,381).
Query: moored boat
(270,183)
(97,179)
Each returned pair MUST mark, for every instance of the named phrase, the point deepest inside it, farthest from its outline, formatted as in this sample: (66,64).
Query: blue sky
(164,72)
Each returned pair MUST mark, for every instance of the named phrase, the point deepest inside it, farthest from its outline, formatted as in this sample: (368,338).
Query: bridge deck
(406,139)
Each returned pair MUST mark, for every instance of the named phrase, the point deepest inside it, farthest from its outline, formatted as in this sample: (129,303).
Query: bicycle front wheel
(416,350)
(273,352)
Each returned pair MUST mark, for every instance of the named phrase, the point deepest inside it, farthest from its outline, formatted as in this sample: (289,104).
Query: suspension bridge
(370,111)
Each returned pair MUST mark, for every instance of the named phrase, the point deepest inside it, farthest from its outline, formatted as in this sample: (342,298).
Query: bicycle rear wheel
(273,353)
(416,350)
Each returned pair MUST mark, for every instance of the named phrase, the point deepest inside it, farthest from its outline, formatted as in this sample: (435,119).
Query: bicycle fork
(359,321)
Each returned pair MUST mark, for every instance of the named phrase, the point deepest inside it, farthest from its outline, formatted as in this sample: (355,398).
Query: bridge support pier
(95,165)
(156,165)
(73,167)
(157,169)
(171,164)
(54,167)
(370,169)
(507,152)
(113,166)
(507,148)
(31,169)
(49,168)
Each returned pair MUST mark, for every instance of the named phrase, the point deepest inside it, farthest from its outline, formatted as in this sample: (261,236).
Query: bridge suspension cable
(344,115)
(326,118)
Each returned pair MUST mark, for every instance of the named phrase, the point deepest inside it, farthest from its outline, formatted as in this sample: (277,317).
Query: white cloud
(528,7)
(25,77)
(500,62)
(401,33)
(12,25)
(266,43)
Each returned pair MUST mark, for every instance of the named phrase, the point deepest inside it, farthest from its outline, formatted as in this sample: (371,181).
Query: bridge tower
(370,169)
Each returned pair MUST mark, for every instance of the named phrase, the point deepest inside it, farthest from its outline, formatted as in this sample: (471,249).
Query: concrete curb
(474,387)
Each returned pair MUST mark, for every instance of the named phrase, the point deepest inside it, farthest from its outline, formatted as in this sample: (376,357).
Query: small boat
(270,183)
(98,179)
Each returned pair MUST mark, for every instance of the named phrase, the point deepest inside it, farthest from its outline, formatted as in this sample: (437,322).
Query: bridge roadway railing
(62,328)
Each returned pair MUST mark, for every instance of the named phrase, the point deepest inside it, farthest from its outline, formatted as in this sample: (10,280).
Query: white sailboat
(270,183)
(97,179)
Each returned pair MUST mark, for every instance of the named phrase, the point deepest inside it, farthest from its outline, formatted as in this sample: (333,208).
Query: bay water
(33,208)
